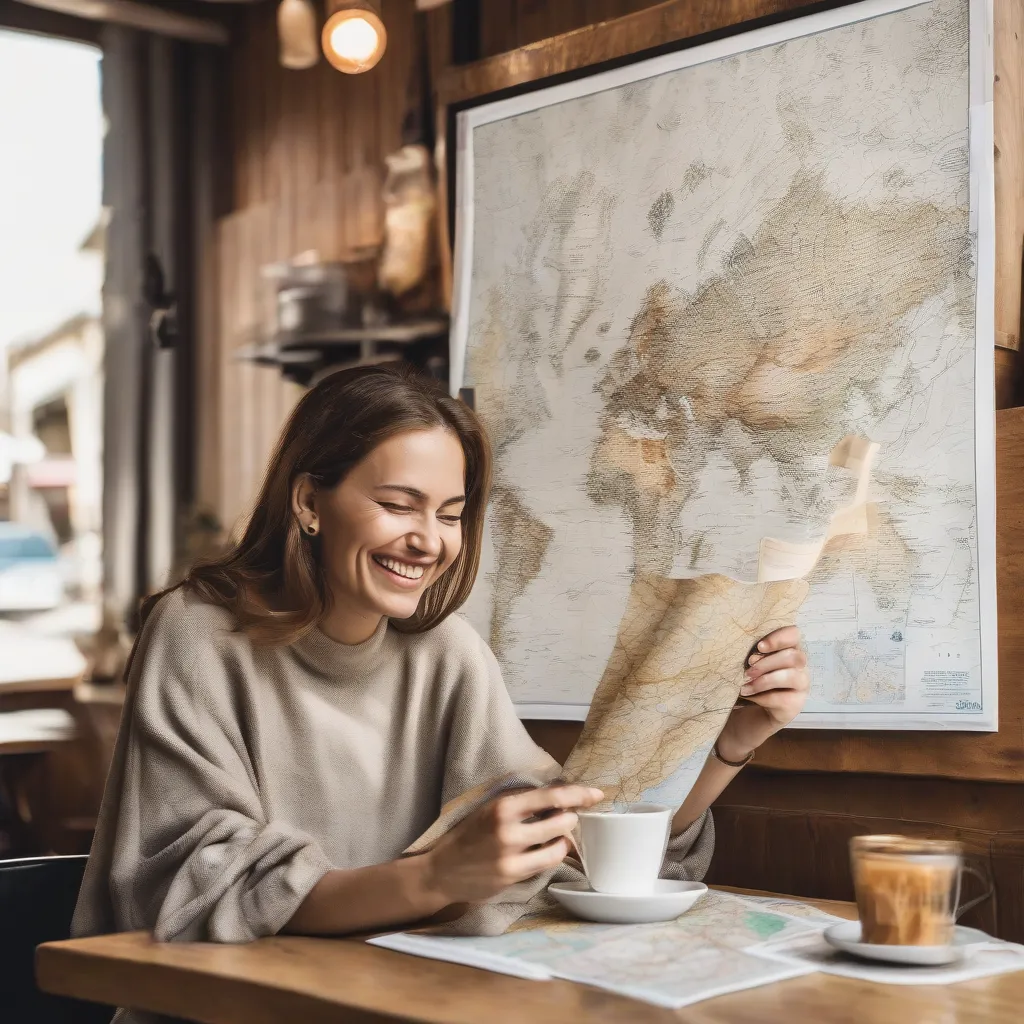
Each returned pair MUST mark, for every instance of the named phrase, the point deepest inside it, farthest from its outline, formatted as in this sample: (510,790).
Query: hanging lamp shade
(297,34)
(353,37)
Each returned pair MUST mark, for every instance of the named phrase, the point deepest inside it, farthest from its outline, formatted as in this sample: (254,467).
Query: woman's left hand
(775,685)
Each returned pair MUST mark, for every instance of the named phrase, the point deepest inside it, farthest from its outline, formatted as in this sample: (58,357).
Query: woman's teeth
(410,572)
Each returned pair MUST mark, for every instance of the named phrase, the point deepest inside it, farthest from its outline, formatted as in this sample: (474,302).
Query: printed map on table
(709,951)
(679,286)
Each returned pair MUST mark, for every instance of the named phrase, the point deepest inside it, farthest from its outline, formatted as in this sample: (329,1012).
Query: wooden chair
(37,899)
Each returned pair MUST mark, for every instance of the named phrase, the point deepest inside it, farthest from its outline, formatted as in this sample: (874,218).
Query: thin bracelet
(731,764)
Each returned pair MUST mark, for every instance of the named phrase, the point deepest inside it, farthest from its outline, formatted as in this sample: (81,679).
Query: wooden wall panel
(1008,123)
(805,853)
(789,831)
(499,27)
(292,130)
(308,152)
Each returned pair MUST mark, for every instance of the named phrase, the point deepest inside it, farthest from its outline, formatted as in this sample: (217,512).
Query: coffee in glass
(907,889)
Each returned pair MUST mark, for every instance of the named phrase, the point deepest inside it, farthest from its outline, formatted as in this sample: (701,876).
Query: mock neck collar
(331,657)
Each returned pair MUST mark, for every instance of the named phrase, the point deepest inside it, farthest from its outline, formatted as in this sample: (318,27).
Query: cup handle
(578,847)
(985,880)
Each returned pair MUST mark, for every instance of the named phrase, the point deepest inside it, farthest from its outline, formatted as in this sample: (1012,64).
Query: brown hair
(272,580)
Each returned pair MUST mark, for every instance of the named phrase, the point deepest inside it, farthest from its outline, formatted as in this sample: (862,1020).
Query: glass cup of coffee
(908,890)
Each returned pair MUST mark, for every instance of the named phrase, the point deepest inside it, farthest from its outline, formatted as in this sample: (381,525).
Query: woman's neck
(349,626)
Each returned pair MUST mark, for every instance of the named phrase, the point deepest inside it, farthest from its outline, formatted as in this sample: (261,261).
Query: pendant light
(296,34)
(354,36)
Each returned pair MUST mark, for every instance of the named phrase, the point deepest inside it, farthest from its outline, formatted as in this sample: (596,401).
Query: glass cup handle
(985,880)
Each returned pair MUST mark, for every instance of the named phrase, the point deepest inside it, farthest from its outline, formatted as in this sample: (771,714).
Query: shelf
(304,358)
(402,333)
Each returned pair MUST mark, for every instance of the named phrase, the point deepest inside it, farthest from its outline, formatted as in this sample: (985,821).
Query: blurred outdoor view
(52,229)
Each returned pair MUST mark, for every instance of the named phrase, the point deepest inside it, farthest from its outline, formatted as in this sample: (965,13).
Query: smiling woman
(301,710)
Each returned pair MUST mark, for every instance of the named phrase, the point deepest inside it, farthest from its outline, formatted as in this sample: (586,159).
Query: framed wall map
(680,285)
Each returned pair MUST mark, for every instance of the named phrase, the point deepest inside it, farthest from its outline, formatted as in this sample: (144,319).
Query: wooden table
(26,739)
(38,671)
(340,981)
(38,734)
(35,661)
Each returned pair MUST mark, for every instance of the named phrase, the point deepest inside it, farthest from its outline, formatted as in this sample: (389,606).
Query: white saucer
(668,900)
(966,942)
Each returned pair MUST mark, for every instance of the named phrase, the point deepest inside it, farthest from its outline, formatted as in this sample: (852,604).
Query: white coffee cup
(623,851)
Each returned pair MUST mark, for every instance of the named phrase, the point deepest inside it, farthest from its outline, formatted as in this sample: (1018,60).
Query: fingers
(778,640)
(533,862)
(522,835)
(782,670)
(776,678)
(524,805)
(783,679)
(790,657)
(540,816)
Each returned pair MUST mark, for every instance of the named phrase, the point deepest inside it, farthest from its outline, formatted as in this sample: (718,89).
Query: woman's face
(390,528)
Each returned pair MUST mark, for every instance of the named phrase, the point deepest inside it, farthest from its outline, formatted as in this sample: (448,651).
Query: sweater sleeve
(183,846)
(689,853)
(487,743)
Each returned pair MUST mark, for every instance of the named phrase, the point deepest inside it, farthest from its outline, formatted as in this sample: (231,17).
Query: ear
(303,496)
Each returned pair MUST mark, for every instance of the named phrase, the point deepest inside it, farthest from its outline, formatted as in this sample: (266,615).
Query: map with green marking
(716,947)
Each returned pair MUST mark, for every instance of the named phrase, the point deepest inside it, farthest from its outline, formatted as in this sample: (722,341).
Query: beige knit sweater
(242,774)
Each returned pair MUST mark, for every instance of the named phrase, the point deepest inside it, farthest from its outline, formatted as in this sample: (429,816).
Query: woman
(300,709)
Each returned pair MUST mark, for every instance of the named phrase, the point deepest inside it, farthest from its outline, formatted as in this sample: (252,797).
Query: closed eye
(392,507)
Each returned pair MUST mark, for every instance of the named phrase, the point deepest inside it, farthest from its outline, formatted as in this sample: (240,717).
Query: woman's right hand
(498,844)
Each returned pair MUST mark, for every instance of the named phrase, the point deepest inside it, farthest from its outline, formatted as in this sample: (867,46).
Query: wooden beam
(22,18)
(661,26)
(129,14)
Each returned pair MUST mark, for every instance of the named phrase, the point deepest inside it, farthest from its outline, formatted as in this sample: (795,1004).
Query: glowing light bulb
(354,37)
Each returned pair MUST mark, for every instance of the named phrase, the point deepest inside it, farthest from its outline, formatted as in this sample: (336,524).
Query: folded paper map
(677,667)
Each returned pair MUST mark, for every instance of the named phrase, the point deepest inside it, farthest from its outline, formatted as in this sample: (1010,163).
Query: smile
(404,569)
